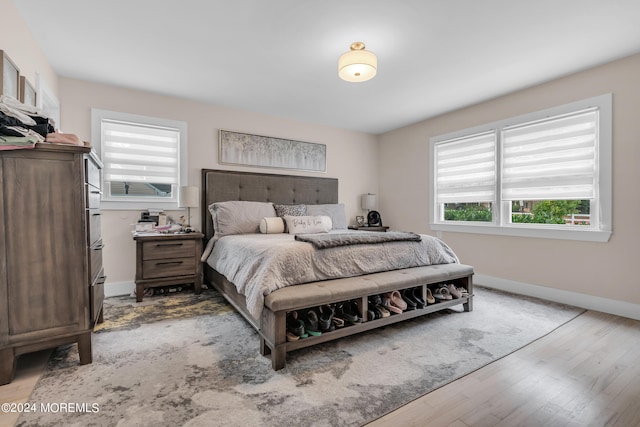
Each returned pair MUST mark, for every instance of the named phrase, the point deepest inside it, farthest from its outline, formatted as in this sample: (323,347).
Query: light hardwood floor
(585,373)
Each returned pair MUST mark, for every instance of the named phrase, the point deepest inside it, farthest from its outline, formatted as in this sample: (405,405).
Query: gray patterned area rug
(188,360)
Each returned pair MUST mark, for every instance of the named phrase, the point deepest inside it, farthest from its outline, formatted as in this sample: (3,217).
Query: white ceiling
(279,57)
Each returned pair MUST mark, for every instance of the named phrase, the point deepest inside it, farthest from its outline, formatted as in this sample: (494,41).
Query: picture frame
(47,102)
(360,220)
(244,149)
(9,77)
(28,94)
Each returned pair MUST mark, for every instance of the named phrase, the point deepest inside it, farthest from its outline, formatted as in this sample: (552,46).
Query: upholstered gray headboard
(221,185)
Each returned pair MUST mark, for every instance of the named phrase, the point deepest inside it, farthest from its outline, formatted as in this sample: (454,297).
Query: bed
(268,307)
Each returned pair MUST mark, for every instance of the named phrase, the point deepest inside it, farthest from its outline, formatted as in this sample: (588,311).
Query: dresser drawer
(92,173)
(93,219)
(156,268)
(97,295)
(92,196)
(168,249)
(95,260)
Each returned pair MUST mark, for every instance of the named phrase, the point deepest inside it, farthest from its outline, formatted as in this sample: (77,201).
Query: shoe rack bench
(273,328)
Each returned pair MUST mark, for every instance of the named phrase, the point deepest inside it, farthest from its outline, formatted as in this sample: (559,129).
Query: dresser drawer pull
(96,214)
(101,280)
(159,245)
(99,247)
(96,192)
(169,262)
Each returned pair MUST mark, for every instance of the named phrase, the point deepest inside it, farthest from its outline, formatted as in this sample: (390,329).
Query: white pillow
(308,224)
(334,211)
(272,225)
(239,217)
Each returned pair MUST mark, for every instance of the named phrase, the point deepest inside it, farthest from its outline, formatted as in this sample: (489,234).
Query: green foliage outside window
(468,213)
(543,212)
(549,211)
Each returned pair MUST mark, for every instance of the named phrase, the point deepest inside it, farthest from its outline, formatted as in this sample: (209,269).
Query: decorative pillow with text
(308,224)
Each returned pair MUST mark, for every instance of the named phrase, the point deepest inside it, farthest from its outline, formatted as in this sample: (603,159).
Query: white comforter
(258,264)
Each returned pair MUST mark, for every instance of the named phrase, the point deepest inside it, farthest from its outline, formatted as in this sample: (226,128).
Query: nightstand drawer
(155,268)
(168,249)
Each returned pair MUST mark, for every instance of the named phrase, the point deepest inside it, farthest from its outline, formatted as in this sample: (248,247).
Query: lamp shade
(357,65)
(188,197)
(368,201)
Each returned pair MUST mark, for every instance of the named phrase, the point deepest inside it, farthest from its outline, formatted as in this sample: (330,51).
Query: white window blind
(466,169)
(551,159)
(138,153)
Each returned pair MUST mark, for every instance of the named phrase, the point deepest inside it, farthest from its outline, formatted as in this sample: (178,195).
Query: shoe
(383,311)
(407,296)
(463,291)
(386,303)
(311,323)
(372,309)
(394,302)
(442,293)
(375,299)
(345,312)
(294,325)
(326,318)
(292,337)
(354,308)
(454,291)
(430,299)
(338,322)
(417,295)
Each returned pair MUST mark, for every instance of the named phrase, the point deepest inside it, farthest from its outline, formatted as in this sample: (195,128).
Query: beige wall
(18,42)
(351,156)
(394,165)
(605,270)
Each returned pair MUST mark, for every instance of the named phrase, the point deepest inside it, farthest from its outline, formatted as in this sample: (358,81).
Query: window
(144,159)
(545,174)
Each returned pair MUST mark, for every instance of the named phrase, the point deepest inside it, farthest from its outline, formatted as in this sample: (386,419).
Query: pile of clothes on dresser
(23,126)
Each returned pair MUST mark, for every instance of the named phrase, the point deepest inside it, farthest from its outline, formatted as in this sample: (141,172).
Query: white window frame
(138,203)
(501,224)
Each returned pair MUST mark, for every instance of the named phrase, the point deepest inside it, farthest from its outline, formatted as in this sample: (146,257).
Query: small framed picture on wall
(10,77)
(27,92)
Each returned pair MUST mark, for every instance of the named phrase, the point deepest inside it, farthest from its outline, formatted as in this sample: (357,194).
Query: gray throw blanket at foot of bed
(329,240)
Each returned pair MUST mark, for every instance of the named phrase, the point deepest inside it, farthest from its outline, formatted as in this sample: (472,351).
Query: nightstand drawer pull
(168,244)
(169,263)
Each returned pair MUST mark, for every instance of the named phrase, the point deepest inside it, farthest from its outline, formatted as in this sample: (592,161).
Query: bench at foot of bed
(273,328)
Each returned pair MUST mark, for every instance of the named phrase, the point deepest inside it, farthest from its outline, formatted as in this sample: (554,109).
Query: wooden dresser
(51,276)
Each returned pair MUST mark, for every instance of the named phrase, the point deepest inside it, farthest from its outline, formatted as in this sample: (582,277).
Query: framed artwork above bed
(236,148)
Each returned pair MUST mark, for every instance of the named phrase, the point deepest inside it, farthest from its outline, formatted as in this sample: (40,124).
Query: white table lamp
(188,197)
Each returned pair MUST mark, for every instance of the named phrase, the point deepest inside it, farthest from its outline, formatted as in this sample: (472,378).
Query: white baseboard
(605,305)
(118,288)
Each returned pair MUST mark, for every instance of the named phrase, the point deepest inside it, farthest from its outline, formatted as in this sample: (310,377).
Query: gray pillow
(335,212)
(239,217)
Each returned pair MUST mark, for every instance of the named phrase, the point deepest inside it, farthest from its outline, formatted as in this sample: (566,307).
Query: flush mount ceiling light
(357,65)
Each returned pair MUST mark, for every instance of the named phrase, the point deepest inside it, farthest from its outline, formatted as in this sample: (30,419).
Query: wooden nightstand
(367,228)
(168,259)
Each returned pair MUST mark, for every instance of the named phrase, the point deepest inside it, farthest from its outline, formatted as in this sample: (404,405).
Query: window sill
(545,233)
